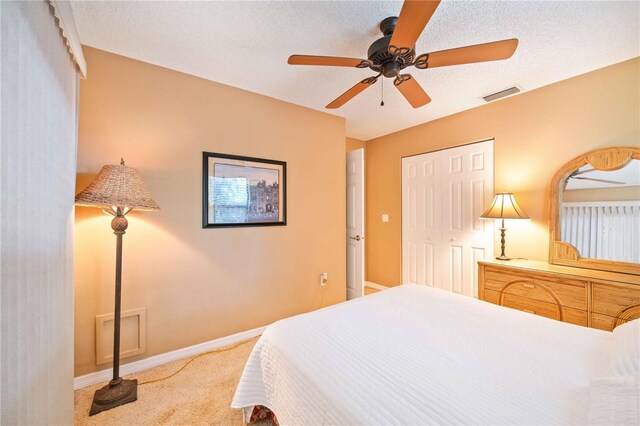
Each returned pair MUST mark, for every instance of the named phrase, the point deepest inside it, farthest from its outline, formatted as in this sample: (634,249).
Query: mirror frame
(561,253)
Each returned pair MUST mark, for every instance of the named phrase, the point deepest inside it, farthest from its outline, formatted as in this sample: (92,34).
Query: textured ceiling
(246,44)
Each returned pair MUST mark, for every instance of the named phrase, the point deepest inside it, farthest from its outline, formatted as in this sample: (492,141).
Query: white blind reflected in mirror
(608,230)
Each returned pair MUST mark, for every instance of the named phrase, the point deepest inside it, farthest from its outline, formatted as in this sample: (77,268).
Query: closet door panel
(467,185)
(481,191)
(453,194)
(420,219)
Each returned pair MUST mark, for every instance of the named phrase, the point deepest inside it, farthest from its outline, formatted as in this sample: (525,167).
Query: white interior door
(444,193)
(355,223)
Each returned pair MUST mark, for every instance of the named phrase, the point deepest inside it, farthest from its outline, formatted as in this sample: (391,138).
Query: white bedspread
(416,355)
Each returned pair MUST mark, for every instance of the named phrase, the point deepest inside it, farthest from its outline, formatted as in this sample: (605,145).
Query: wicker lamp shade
(118,186)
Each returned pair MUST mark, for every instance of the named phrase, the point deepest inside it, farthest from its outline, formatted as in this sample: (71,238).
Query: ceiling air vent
(502,93)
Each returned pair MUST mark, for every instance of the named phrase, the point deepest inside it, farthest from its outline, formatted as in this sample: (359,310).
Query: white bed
(416,355)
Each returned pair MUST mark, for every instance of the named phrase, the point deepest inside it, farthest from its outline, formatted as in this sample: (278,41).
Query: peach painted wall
(535,134)
(353,144)
(201,284)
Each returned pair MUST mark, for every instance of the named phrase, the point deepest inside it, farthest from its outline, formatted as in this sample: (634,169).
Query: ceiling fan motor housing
(379,51)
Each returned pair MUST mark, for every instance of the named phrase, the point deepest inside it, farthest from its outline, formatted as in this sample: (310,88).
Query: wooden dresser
(587,297)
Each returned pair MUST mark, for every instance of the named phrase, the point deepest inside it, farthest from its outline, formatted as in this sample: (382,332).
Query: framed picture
(243,191)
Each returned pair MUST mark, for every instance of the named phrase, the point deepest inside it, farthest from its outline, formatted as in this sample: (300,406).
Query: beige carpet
(198,395)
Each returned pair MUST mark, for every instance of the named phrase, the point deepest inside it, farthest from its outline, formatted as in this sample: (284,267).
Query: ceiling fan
(395,51)
(577,173)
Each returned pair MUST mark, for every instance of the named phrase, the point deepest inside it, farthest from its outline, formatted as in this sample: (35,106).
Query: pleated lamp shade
(504,206)
(117,186)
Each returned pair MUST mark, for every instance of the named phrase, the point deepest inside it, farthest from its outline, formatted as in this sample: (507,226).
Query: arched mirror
(595,211)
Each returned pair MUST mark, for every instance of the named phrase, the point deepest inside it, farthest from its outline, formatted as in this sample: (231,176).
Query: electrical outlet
(324,279)
(385,217)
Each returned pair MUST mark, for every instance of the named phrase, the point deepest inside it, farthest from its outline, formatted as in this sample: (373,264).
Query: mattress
(418,355)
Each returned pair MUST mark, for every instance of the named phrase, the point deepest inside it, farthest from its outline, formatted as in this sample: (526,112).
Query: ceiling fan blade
(333,61)
(579,172)
(600,180)
(351,93)
(411,90)
(414,16)
(485,52)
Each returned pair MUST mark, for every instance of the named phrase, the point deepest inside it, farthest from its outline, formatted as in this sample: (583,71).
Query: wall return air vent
(502,93)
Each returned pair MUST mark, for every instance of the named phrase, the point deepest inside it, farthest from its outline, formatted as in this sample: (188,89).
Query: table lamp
(117,189)
(504,206)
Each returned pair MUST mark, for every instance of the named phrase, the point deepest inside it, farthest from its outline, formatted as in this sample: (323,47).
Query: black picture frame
(232,161)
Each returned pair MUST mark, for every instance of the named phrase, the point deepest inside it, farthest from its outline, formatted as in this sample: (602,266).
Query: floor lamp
(117,190)
(504,206)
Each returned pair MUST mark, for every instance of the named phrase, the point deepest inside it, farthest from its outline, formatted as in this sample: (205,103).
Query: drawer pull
(529,285)
(528,311)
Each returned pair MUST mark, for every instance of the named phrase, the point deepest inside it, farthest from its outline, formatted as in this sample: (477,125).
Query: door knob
(357,238)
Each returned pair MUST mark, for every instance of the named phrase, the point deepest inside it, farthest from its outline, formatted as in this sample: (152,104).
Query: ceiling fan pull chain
(382,92)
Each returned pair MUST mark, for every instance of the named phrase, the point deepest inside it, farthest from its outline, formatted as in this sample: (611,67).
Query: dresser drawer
(570,293)
(612,299)
(602,322)
(605,322)
(537,307)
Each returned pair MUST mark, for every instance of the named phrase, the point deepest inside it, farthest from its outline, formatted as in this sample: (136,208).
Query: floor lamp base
(113,395)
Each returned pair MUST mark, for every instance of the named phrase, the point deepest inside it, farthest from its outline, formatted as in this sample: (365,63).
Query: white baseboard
(374,285)
(156,360)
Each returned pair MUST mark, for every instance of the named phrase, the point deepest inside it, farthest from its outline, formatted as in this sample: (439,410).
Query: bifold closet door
(443,195)
(421,231)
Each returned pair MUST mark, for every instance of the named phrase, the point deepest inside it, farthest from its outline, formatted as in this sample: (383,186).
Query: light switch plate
(385,218)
